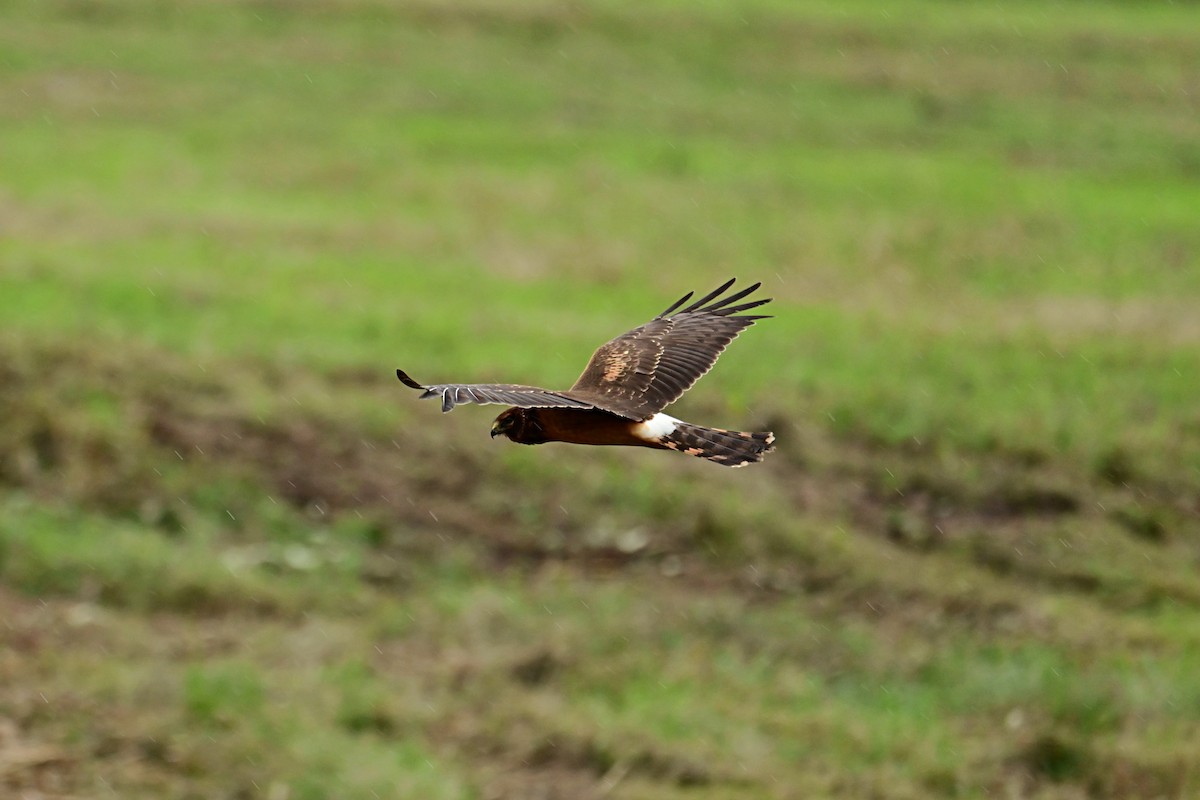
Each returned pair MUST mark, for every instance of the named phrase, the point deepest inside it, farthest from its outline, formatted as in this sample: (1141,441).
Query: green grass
(237,559)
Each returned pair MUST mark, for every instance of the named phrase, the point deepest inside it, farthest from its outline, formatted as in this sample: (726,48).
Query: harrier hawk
(619,398)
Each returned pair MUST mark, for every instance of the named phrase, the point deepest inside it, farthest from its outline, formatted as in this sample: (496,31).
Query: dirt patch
(1048,758)
(530,762)
(27,764)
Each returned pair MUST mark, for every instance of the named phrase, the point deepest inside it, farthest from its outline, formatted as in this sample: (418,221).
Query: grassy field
(238,560)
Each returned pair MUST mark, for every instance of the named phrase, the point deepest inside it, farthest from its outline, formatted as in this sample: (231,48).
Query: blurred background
(239,560)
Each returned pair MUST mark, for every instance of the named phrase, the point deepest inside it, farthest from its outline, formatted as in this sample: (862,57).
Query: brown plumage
(619,398)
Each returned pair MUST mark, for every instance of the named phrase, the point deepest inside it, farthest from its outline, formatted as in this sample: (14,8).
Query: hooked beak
(496,430)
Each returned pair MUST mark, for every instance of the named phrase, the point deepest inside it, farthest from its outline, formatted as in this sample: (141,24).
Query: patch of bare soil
(528,761)
(29,766)
(1044,759)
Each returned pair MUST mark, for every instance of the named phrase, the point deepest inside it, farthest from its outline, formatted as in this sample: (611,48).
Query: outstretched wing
(504,393)
(641,372)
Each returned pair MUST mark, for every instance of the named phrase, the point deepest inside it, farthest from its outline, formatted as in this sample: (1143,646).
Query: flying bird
(620,397)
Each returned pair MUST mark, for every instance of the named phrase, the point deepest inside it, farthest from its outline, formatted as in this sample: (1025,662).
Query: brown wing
(641,372)
(504,393)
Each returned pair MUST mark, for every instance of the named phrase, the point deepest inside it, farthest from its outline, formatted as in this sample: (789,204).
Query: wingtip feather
(713,294)
(407,381)
(676,305)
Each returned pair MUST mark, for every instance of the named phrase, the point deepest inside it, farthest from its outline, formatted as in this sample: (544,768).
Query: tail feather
(729,448)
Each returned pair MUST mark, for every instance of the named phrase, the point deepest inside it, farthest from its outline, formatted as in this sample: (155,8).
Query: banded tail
(729,448)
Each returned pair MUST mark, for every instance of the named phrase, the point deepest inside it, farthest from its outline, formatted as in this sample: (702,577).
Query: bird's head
(508,423)
(522,425)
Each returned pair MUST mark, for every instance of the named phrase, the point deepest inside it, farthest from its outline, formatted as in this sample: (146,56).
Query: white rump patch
(656,428)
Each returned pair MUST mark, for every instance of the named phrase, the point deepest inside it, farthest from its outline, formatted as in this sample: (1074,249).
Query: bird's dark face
(507,423)
(522,425)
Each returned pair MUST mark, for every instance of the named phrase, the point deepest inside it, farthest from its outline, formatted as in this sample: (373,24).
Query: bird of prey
(620,397)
